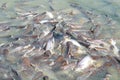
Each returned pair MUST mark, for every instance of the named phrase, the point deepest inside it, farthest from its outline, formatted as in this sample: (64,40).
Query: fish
(115,48)
(81,42)
(4,6)
(39,17)
(72,41)
(2,44)
(83,64)
(5,52)
(58,36)
(50,44)
(38,75)
(44,21)
(69,66)
(107,76)
(51,8)
(4,26)
(45,78)
(26,61)
(15,75)
(16,49)
(28,51)
(74,26)
(49,14)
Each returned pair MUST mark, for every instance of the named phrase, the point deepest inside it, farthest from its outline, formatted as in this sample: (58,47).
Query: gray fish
(4,6)
(15,74)
(4,26)
(38,75)
(45,78)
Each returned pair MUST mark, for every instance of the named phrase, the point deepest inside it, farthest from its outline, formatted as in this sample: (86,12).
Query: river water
(108,12)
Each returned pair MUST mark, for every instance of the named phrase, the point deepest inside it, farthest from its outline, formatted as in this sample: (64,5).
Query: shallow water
(108,12)
(103,8)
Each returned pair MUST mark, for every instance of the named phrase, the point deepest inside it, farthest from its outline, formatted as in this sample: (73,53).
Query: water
(108,12)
